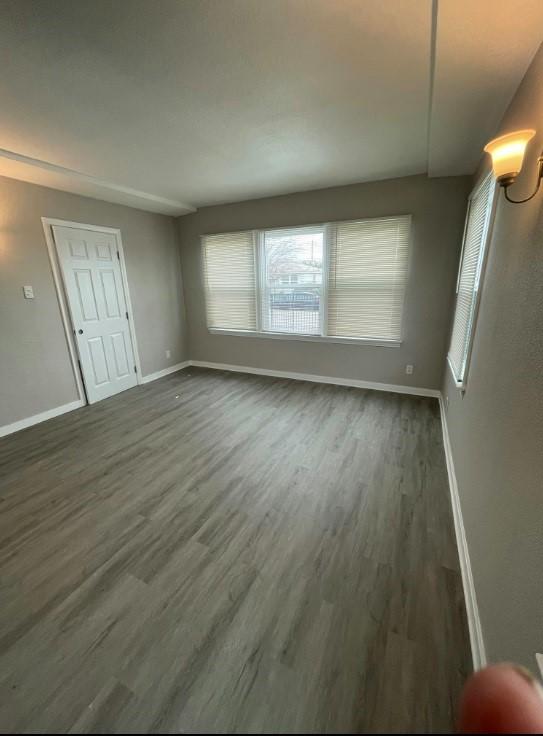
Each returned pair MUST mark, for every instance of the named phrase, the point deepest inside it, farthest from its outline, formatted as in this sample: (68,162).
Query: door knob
(80,332)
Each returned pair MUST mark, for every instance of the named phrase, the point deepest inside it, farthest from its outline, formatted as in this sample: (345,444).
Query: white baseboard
(165,372)
(414,391)
(45,415)
(478,652)
(42,417)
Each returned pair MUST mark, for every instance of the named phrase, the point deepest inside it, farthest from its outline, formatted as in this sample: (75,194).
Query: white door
(91,271)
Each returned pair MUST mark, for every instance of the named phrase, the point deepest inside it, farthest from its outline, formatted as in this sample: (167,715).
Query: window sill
(460,385)
(360,341)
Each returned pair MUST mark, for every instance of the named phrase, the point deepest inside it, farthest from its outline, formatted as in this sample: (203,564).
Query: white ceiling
(169,105)
(482,53)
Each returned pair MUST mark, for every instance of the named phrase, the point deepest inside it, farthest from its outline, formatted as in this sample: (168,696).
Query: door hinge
(118,256)
(135,371)
(126,315)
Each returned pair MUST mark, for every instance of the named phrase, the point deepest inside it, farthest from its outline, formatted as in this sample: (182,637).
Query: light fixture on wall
(507,154)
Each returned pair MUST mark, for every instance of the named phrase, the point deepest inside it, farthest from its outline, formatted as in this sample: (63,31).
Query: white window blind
(467,288)
(230,283)
(367,277)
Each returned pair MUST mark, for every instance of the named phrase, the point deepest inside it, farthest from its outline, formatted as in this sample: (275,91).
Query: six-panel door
(92,278)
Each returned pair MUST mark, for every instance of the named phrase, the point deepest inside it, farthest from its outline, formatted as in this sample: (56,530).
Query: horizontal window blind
(230,284)
(367,277)
(477,221)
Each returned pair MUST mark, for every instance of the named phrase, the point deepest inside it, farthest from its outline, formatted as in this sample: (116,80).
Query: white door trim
(48,223)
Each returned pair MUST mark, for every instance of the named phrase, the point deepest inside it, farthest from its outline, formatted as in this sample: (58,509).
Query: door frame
(65,313)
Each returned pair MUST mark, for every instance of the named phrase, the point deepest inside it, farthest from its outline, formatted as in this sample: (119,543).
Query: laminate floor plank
(230,553)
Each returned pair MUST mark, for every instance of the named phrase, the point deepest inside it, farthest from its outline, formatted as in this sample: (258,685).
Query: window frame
(461,384)
(203,281)
(260,332)
(263,288)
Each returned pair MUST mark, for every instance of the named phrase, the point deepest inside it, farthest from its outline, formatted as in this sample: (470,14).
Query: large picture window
(344,281)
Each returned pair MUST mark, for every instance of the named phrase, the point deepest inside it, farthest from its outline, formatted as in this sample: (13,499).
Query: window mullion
(258,278)
(325,278)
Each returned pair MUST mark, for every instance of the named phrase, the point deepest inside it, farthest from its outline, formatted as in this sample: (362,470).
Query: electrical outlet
(28,292)
(409,370)
(168,354)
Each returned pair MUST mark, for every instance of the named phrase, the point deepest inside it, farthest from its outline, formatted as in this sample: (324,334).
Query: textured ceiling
(481,56)
(170,105)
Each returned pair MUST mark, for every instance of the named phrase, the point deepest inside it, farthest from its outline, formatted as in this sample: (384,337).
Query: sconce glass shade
(507,154)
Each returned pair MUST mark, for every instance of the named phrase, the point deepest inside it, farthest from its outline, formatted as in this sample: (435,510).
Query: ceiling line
(47,166)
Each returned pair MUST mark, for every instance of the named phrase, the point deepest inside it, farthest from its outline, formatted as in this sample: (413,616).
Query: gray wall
(496,428)
(35,370)
(438,208)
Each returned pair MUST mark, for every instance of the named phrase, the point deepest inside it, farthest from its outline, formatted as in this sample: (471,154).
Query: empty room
(271,366)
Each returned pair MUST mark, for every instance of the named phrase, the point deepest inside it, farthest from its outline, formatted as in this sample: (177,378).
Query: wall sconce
(507,154)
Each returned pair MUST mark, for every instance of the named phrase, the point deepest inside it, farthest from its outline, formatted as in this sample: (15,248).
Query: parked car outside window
(300,300)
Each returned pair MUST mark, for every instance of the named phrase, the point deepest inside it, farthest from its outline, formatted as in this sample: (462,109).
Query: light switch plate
(28,291)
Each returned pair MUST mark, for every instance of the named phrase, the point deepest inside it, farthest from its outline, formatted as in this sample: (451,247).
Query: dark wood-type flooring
(230,553)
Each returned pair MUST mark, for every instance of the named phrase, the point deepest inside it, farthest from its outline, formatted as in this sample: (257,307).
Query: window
(288,302)
(229,274)
(368,273)
(476,232)
(342,281)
